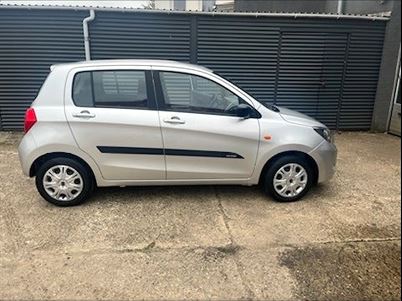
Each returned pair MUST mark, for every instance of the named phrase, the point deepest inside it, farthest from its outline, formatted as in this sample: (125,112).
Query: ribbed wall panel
(310,74)
(360,85)
(140,36)
(325,68)
(31,41)
(242,50)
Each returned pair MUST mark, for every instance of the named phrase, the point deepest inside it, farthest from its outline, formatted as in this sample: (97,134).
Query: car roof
(159,63)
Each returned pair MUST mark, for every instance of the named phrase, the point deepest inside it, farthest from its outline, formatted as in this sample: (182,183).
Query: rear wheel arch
(46,157)
(300,154)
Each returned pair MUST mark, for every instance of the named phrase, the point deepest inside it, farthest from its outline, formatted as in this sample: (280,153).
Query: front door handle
(84,114)
(174,120)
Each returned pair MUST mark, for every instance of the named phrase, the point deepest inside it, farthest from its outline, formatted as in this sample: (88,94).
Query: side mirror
(244,111)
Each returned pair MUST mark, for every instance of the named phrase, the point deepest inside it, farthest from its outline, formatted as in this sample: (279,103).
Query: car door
(203,137)
(113,117)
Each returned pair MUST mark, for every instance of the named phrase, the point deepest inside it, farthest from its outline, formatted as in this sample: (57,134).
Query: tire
(73,185)
(294,184)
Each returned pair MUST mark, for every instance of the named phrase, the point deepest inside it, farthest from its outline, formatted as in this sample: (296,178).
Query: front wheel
(288,179)
(64,182)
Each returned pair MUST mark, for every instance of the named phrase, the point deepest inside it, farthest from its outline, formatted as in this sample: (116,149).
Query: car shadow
(132,193)
(195,192)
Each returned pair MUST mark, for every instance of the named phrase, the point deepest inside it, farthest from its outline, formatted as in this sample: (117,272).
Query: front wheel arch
(302,155)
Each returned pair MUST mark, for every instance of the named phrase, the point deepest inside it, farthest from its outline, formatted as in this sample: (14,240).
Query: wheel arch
(45,157)
(313,164)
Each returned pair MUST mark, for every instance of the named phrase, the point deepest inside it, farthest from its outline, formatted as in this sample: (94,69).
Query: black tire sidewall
(82,170)
(279,163)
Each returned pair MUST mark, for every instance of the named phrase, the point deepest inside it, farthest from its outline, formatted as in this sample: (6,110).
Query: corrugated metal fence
(326,68)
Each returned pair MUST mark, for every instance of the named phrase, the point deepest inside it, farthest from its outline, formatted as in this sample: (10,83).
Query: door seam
(159,120)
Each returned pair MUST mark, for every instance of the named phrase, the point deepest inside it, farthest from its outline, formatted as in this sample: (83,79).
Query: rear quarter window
(82,89)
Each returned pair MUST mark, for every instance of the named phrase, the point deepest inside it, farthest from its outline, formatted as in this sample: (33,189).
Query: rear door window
(111,88)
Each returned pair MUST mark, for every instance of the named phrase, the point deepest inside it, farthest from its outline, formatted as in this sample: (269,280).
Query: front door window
(195,94)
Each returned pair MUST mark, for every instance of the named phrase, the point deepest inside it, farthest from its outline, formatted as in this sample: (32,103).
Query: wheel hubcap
(290,180)
(63,183)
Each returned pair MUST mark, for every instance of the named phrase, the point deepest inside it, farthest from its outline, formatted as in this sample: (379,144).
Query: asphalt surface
(343,241)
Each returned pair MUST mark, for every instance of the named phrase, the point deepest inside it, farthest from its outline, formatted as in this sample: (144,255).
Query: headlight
(324,133)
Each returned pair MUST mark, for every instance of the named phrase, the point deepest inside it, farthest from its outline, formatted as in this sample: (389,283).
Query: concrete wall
(194,5)
(179,4)
(383,102)
(164,4)
(368,7)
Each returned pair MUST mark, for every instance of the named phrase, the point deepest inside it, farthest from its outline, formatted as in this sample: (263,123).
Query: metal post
(278,66)
(344,71)
(193,39)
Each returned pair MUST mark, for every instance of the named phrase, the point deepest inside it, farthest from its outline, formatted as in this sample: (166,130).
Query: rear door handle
(84,114)
(174,120)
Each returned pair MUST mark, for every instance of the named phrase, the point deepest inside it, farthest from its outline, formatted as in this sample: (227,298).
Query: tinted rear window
(123,88)
(82,91)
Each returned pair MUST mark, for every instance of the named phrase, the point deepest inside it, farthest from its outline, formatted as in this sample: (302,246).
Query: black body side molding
(167,152)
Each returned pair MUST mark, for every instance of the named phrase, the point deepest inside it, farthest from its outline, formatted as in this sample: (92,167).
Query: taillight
(30,119)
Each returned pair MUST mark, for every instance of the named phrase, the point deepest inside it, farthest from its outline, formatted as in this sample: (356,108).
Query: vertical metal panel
(300,64)
(300,67)
(244,50)
(325,68)
(31,41)
(140,36)
(364,60)
(194,40)
(310,73)
(332,77)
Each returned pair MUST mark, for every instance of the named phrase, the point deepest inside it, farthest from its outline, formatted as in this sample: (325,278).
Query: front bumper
(325,155)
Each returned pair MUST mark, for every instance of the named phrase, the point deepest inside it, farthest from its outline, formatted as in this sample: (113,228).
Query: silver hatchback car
(152,122)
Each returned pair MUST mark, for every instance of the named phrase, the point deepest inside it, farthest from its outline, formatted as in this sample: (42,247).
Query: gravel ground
(343,241)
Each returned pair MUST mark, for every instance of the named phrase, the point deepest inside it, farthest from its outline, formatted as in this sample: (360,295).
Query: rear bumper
(325,155)
(25,150)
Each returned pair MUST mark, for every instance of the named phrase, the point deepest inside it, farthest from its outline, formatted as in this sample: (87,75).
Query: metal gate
(326,68)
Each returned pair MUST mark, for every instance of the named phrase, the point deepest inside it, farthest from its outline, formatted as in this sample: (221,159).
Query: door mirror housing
(244,111)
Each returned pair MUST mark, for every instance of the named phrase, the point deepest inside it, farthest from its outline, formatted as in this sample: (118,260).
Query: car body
(155,122)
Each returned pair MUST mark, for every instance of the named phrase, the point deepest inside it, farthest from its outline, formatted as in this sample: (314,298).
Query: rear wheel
(64,182)
(288,178)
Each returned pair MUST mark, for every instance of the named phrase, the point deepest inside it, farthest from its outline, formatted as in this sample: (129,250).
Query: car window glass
(124,88)
(82,91)
(185,92)
(176,88)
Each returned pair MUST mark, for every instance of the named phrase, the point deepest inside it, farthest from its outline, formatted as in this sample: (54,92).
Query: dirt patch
(10,138)
(369,231)
(353,271)
(215,253)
